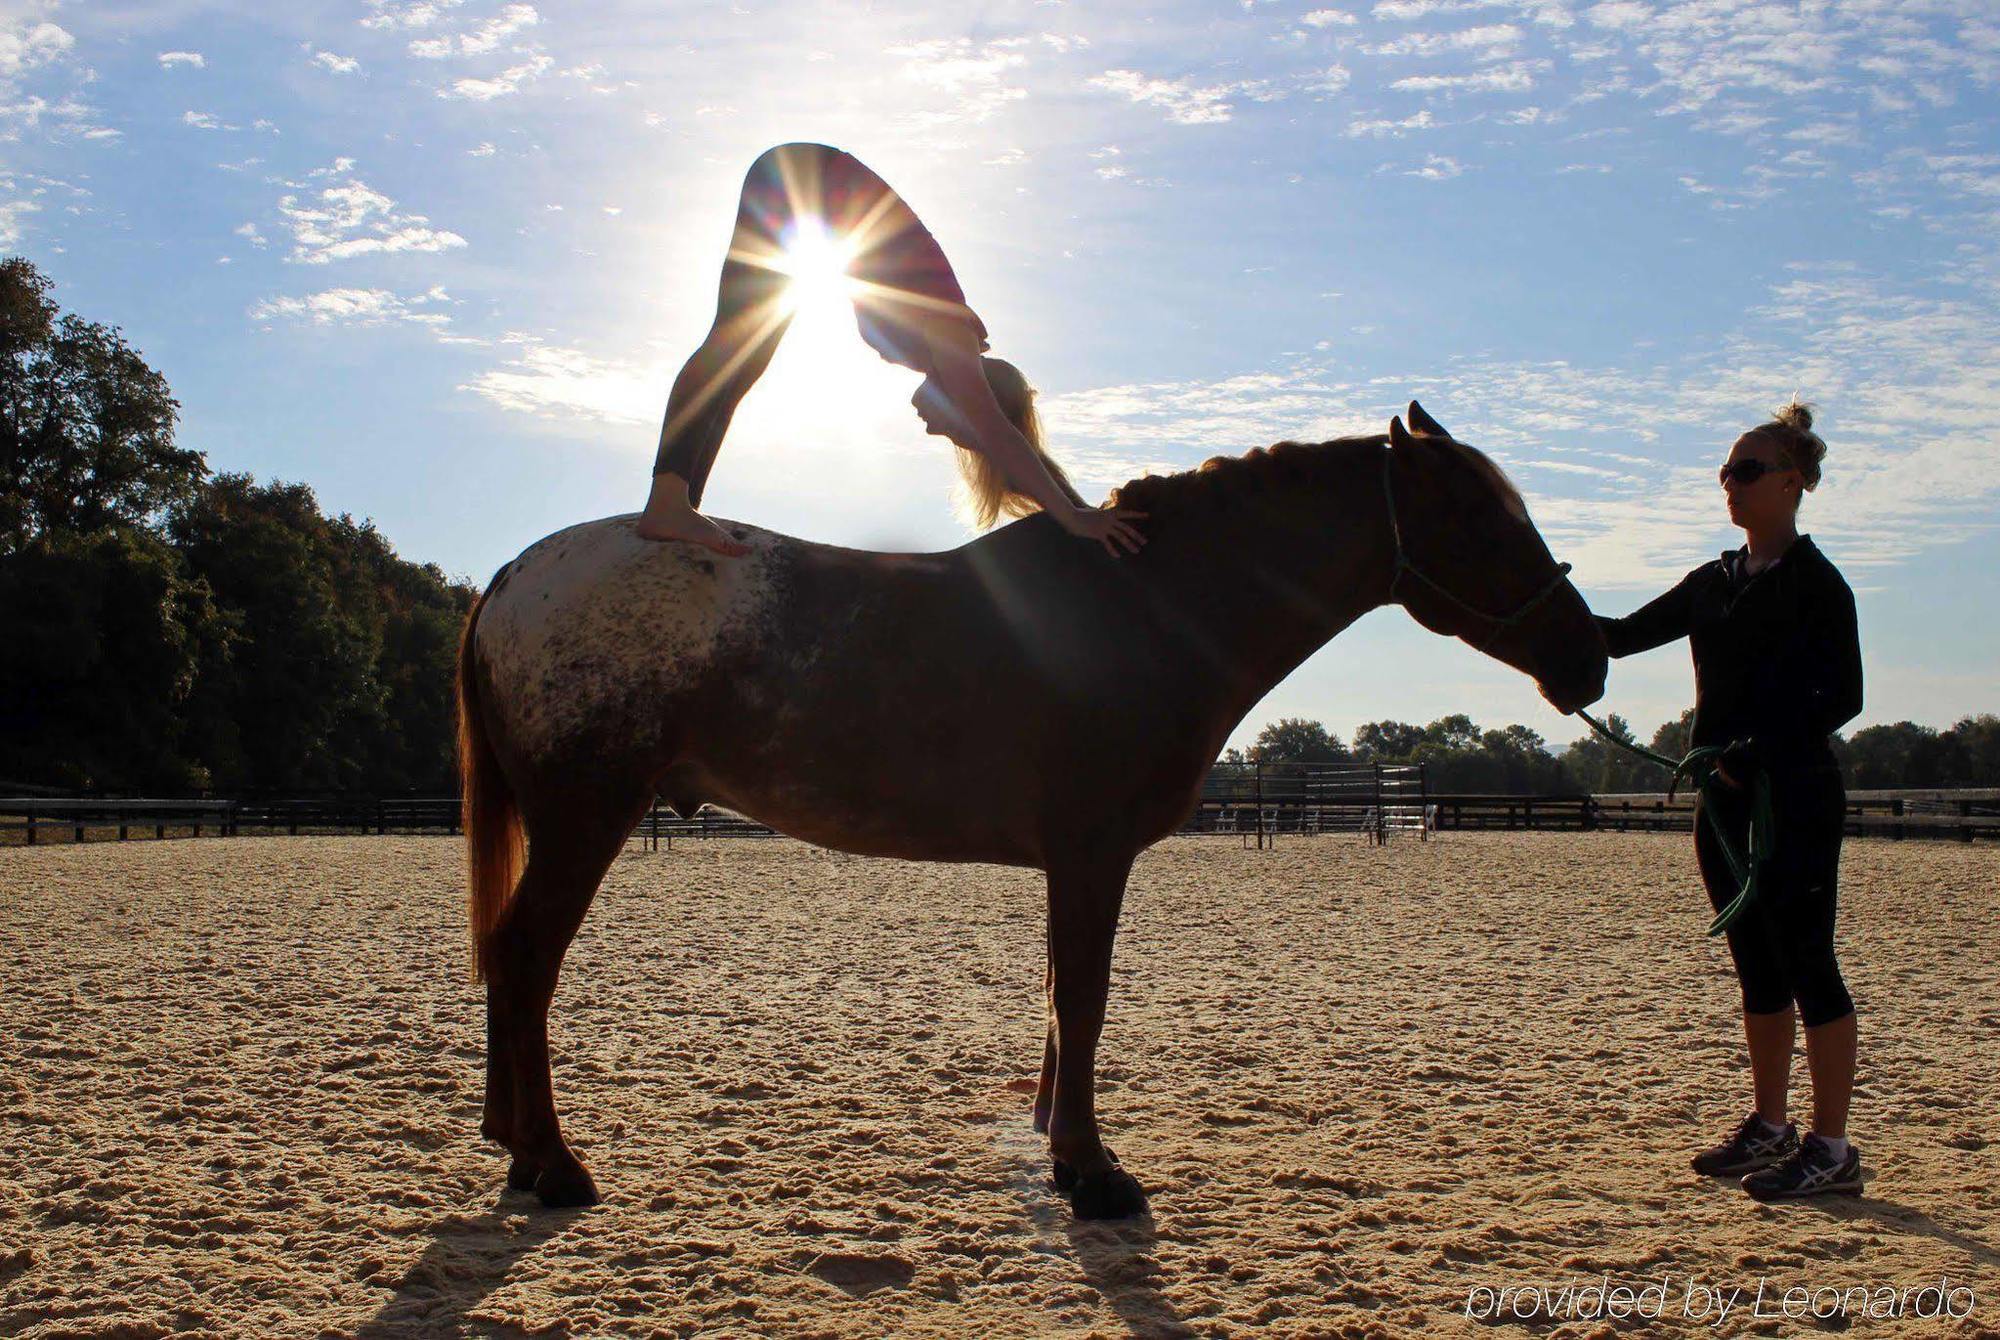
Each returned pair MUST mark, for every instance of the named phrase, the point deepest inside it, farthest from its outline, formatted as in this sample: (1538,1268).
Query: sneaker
(1752,1147)
(1809,1170)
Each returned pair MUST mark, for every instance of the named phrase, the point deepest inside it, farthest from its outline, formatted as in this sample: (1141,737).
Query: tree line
(1462,757)
(175,631)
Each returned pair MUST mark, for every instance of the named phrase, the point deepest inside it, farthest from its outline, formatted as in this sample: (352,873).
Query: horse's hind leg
(1045,1088)
(568,855)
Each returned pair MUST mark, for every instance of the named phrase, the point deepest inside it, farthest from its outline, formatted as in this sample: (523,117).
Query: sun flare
(816,263)
(825,383)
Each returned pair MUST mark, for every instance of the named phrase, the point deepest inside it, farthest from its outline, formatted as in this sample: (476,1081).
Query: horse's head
(1473,566)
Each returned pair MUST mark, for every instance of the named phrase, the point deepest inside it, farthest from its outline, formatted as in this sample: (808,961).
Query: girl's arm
(955,368)
(1654,624)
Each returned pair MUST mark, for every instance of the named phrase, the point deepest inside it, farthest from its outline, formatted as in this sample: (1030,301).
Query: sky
(441,260)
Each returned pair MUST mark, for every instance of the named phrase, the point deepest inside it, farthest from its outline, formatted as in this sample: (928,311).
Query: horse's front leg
(1085,895)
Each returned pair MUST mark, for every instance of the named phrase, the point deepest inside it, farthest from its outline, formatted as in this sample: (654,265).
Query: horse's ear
(1399,437)
(1424,423)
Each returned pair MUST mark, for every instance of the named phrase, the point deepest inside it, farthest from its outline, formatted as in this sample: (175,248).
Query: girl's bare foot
(669,516)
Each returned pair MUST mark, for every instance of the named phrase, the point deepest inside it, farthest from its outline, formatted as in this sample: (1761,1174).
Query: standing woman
(909,308)
(1777,666)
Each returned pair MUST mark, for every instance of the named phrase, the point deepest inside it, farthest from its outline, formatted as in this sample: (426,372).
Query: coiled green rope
(1699,767)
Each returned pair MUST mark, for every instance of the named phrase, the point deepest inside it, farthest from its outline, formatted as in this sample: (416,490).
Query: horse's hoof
(1064,1175)
(1111,1194)
(521,1174)
(1041,1121)
(561,1187)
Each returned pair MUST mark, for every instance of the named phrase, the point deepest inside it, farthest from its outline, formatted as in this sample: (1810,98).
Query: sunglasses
(1747,471)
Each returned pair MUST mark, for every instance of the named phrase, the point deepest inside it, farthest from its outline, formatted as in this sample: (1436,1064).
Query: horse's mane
(1280,466)
(1221,479)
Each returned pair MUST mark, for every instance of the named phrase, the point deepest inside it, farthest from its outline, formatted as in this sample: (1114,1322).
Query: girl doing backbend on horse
(910,309)
(1777,665)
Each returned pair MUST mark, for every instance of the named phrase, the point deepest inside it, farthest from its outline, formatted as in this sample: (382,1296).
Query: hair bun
(1795,414)
(1800,445)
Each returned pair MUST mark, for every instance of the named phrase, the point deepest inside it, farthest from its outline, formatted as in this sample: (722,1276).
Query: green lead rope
(1699,768)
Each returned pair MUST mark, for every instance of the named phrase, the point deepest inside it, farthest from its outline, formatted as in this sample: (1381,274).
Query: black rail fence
(1258,805)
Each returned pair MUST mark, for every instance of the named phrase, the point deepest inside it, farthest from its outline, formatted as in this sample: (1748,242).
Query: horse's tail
(494,842)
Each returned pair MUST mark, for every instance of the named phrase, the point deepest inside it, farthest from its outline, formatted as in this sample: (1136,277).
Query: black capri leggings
(907,290)
(1783,943)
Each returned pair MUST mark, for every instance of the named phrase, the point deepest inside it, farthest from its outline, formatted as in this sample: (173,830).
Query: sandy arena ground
(240,1083)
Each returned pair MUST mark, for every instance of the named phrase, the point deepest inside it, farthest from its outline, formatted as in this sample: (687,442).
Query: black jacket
(1777,657)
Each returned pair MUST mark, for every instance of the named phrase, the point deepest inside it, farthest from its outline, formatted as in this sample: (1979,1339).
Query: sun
(824,382)
(816,262)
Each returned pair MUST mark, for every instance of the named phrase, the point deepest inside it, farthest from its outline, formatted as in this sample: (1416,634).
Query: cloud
(1186,103)
(391,14)
(1329,81)
(1379,128)
(192,59)
(350,218)
(26,45)
(1486,42)
(1617,458)
(478,40)
(327,60)
(550,381)
(355,307)
(974,75)
(1437,167)
(1328,18)
(12,212)
(1515,77)
(504,84)
(201,120)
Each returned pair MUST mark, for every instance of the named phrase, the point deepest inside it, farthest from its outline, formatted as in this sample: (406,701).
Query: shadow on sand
(1908,1219)
(468,1258)
(1115,1255)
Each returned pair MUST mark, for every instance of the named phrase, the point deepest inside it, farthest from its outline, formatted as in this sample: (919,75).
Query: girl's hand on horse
(1105,525)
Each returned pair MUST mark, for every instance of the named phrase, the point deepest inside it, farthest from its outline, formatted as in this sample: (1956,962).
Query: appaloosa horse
(1023,700)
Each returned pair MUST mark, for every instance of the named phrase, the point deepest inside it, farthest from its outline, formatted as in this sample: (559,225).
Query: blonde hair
(1798,445)
(988,495)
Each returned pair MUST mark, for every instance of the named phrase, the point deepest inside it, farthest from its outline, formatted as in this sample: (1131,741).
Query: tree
(1600,767)
(1674,738)
(106,636)
(86,427)
(1296,740)
(1386,741)
(1454,732)
(1902,754)
(1978,747)
(342,677)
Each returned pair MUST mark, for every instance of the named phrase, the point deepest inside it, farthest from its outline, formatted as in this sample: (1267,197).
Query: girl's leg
(1771,1038)
(1830,1053)
(1768,1016)
(750,320)
(1814,813)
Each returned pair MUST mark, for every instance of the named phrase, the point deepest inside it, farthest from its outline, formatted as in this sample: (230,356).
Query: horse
(1023,699)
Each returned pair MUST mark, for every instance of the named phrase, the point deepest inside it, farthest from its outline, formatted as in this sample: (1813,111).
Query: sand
(1367,1090)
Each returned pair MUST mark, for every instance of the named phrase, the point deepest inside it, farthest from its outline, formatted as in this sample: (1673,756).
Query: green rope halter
(1699,767)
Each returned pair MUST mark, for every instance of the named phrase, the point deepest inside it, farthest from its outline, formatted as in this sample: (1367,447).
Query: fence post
(1380,832)
(1896,808)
